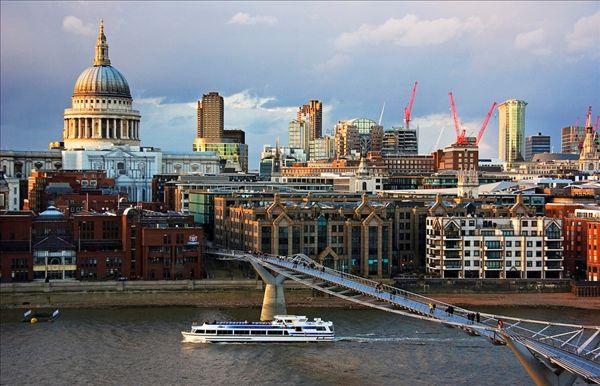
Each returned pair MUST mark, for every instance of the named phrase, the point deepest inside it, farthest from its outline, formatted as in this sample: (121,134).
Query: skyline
(167,79)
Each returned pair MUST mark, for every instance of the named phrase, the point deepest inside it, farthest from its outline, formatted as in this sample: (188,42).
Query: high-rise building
(571,138)
(536,144)
(211,136)
(210,114)
(322,148)
(400,141)
(312,113)
(299,135)
(347,139)
(511,126)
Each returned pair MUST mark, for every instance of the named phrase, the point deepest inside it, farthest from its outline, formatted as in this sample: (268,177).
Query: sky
(268,58)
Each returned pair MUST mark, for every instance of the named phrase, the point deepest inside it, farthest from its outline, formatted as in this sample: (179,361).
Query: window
(529,244)
(259,332)
(517,244)
(509,244)
(529,264)
(271,332)
(241,332)
(529,254)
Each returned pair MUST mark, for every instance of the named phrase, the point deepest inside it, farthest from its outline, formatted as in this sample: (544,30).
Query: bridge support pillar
(539,372)
(274,299)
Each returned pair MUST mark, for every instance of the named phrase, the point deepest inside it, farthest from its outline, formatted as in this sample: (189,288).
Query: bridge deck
(563,349)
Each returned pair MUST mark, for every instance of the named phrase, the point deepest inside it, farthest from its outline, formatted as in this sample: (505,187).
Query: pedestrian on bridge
(478,317)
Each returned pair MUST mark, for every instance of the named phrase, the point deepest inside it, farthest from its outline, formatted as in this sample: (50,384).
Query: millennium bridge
(551,353)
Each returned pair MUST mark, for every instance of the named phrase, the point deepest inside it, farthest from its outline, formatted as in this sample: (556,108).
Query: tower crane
(408,108)
(461,138)
(485,123)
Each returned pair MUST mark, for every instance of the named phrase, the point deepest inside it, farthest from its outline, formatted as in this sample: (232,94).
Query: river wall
(230,293)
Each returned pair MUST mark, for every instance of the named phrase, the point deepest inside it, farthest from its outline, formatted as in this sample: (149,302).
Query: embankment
(235,293)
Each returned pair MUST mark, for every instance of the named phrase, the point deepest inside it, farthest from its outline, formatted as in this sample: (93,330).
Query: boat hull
(199,338)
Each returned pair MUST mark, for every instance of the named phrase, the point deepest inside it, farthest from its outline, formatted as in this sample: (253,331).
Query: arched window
(364,186)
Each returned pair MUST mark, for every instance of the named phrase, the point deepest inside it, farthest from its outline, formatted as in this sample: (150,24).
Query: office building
(210,113)
(511,130)
(353,236)
(312,114)
(299,136)
(536,144)
(571,139)
(581,240)
(322,148)
(400,141)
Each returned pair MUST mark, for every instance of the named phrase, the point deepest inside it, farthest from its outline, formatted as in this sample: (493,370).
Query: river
(142,346)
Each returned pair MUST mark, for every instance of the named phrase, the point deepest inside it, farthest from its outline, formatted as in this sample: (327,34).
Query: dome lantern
(101,57)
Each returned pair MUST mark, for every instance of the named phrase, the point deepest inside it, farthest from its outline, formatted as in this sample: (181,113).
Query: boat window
(241,332)
(288,321)
(286,333)
(259,332)
(199,331)
(210,331)
(320,328)
(224,332)
(275,332)
(298,329)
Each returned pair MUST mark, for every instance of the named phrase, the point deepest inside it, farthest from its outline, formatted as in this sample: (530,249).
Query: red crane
(408,108)
(485,123)
(460,132)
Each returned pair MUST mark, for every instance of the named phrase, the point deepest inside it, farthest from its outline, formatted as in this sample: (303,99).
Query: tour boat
(284,328)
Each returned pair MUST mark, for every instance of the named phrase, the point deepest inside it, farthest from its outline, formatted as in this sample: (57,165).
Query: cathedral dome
(101,79)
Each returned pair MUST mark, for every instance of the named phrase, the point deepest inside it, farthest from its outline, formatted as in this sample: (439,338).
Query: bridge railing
(569,337)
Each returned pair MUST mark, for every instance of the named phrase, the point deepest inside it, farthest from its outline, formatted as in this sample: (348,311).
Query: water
(142,346)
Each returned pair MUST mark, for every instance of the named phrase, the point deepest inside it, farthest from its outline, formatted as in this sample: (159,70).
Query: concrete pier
(274,299)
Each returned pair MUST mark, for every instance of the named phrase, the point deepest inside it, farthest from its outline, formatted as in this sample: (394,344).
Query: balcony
(553,238)
(553,267)
(452,266)
(452,236)
(452,246)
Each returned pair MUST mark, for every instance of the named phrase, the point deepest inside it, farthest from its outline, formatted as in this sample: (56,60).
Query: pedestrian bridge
(551,353)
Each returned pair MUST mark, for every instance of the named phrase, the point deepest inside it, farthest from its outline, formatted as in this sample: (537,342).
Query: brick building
(582,244)
(134,243)
(73,189)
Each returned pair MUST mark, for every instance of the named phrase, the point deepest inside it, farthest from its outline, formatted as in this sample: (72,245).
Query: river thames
(142,346)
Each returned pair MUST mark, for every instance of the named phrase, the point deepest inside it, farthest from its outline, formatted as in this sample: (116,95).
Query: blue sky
(268,58)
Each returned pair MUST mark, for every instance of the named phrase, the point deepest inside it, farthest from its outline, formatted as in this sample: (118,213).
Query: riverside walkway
(552,353)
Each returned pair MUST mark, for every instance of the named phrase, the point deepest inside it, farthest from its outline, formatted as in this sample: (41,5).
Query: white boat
(284,328)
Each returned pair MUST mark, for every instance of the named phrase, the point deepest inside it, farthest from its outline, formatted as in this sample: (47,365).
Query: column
(117,133)
(121,128)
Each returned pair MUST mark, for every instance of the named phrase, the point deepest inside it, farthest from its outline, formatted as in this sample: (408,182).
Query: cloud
(75,25)
(172,126)
(336,61)
(585,34)
(410,31)
(533,41)
(243,18)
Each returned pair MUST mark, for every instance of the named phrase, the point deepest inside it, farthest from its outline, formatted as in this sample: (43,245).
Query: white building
(507,247)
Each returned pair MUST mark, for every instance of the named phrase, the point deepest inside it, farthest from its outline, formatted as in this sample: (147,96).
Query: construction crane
(461,137)
(408,108)
(485,123)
